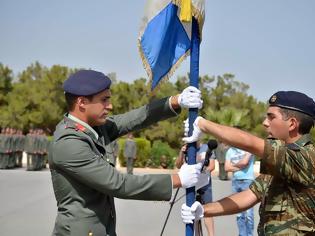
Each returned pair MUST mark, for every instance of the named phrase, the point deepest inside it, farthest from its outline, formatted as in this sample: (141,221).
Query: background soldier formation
(13,143)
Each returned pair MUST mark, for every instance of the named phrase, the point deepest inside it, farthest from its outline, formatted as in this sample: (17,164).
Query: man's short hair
(72,98)
(306,122)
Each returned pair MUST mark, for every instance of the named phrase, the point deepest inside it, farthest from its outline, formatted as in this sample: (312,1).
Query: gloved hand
(186,127)
(203,181)
(196,134)
(195,212)
(189,174)
(190,98)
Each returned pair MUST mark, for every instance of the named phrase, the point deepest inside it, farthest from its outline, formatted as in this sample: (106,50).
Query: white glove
(196,134)
(203,181)
(186,127)
(189,174)
(195,212)
(190,98)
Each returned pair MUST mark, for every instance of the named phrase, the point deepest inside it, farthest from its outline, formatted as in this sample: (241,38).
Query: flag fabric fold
(164,40)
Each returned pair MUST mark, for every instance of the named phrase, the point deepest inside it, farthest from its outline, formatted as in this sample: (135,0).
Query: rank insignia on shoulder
(79,127)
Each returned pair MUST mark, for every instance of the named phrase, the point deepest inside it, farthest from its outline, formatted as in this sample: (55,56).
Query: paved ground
(28,207)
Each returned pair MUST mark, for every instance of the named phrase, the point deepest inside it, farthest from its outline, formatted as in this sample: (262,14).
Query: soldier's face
(98,108)
(276,126)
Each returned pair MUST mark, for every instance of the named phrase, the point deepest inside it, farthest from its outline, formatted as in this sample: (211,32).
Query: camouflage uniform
(286,188)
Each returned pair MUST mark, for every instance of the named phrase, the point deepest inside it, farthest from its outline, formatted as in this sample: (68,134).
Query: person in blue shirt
(241,163)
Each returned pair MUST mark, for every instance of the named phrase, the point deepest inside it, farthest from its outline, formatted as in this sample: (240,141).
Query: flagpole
(193,112)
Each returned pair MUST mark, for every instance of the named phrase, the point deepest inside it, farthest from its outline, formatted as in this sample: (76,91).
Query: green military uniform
(40,150)
(287,188)
(114,152)
(4,159)
(220,152)
(45,146)
(29,147)
(5,151)
(21,139)
(13,150)
(130,152)
(85,182)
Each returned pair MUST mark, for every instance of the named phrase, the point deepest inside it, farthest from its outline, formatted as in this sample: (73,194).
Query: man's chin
(270,136)
(99,122)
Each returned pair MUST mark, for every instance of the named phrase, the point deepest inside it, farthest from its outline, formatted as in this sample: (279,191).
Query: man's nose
(109,106)
(265,123)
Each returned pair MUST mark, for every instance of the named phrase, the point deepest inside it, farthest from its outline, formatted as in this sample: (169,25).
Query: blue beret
(86,82)
(294,101)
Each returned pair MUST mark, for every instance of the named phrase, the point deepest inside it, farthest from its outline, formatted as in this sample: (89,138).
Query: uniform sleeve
(259,185)
(73,156)
(136,119)
(293,165)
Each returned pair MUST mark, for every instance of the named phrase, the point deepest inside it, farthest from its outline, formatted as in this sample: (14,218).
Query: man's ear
(294,124)
(82,101)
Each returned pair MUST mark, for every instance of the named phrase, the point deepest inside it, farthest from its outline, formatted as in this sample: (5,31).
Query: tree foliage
(34,98)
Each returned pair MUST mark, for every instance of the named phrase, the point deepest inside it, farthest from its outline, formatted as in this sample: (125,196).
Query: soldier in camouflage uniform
(286,187)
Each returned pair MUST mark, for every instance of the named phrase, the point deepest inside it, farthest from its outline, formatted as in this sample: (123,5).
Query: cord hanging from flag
(185,13)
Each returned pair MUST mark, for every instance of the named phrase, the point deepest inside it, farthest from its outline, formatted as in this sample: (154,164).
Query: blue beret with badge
(86,82)
(294,101)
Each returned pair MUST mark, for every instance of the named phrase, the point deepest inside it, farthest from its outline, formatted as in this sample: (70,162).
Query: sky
(268,44)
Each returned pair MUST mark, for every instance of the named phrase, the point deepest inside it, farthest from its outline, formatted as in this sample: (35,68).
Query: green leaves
(34,98)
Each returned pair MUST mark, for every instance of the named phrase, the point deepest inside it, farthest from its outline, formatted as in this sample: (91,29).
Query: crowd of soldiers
(13,143)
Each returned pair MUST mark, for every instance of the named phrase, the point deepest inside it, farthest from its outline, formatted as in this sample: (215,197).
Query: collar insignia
(79,127)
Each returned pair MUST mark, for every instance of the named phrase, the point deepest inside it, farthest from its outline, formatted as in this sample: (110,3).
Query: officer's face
(98,108)
(276,126)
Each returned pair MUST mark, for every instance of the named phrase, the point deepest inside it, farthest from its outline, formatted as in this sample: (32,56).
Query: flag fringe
(197,14)
(167,76)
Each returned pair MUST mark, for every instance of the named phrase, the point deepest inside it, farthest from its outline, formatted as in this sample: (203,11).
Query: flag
(165,35)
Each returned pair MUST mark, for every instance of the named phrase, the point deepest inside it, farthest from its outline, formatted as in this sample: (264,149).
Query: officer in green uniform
(13,144)
(84,181)
(130,152)
(7,148)
(114,151)
(286,186)
(220,152)
(29,147)
(40,149)
(20,148)
(11,147)
(4,159)
(44,148)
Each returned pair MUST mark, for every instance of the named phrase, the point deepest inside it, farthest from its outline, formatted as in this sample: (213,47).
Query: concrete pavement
(28,207)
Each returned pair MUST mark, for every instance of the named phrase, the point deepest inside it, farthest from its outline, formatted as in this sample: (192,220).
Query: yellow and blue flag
(165,35)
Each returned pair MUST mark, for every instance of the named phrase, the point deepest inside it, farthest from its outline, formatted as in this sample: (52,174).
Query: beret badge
(273,98)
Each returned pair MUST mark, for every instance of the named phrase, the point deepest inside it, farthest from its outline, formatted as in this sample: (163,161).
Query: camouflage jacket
(286,188)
